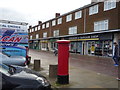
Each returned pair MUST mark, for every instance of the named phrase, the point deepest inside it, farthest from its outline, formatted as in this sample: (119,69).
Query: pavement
(84,71)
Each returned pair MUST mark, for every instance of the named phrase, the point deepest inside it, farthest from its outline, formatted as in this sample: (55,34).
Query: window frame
(72,30)
(43,26)
(44,34)
(108,3)
(59,21)
(47,25)
(56,33)
(94,9)
(101,25)
(69,18)
(78,15)
(53,22)
(37,36)
(39,27)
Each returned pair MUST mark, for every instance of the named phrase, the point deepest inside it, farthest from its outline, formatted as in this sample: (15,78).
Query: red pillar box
(63,63)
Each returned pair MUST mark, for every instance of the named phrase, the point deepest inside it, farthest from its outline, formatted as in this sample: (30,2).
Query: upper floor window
(44,34)
(35,28)
(32,29)
(68,18)
(93,10)
(110,4)
(43,26)
(38,27)
(101,25)
(59,21)
(30,36)
(56,33)
(73,30)
(47,25)
(53,22)
(78,14)
(37,36)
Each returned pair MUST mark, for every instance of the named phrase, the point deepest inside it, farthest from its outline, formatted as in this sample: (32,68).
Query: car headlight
(43,81)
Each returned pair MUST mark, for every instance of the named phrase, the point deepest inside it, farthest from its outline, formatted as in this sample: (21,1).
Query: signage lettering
(10,39)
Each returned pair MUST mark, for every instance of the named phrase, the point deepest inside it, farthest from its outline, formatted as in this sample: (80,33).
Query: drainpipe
(84,30)
(84,20)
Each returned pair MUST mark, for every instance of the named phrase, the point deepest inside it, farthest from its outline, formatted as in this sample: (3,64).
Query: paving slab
(82,72)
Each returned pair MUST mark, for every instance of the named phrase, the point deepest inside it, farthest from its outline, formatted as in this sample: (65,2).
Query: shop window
(100,48)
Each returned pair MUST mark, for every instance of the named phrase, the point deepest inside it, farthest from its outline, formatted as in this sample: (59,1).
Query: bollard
(53,71)
(37,64)
(29,60)
(63,62)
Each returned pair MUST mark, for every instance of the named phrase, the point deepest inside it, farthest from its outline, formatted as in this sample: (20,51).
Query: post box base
(63,79)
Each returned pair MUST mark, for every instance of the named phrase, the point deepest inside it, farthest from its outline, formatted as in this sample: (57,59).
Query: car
(12,60)
(18,77)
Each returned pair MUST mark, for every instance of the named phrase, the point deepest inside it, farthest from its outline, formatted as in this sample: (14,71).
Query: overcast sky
(32,11)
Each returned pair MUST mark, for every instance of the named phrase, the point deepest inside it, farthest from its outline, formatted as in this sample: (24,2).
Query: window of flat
(32,29)
(68,17)
(44,34)
(38,27)
(93,10)
(78,14)
(59,21)
(35,28)
(47,25)
(30,36)
(37,36)
(53,22)
(73,30)
(56,33)
(109,4)
(43,26)
(101,25)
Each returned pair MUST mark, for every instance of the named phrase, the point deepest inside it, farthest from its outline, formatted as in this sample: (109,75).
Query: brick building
(92,29)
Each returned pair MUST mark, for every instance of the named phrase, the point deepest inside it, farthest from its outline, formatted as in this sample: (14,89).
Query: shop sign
(44,41)
(108,36)
(36,41)
(90,37)
(53,40)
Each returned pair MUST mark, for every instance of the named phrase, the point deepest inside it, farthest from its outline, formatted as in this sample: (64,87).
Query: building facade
(92,29)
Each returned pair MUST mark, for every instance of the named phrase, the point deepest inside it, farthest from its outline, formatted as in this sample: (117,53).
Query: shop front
(53,44)
(101,47)
(31,44)
(36,44)
(44,45)
(94,44)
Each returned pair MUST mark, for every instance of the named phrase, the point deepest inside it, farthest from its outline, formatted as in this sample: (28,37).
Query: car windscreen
(4,69)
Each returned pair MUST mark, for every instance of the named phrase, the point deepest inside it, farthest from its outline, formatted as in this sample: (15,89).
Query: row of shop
(100,44)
